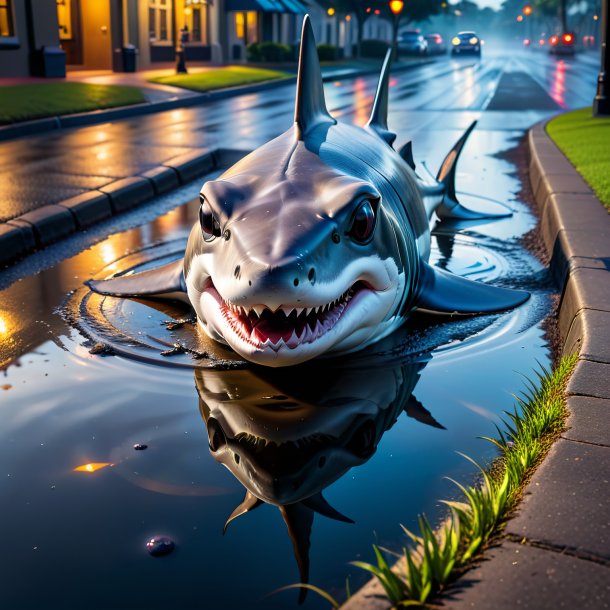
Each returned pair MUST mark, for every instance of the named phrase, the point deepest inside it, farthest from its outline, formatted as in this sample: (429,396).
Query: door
(96,35)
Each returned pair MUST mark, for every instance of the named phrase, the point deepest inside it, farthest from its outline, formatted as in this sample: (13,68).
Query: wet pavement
(72,535)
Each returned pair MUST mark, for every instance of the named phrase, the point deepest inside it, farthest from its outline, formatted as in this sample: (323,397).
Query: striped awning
(266,6)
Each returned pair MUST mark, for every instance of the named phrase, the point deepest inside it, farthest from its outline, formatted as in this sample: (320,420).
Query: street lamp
(396,7)
(601,103)
(527,10)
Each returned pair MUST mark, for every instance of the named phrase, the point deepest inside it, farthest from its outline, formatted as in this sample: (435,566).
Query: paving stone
(582,249)
(567,502)
(515,576)
(89,208)
(27,231)
(572,213)
(192,164)
(12,243)
(561,182)
(163,178)
(586,289)
(50,223)
(590,379)
(589,420)
(129,192)
(589,336)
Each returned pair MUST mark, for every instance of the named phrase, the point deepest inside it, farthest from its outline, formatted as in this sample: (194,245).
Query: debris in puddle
(103,349)
(140,447)
(160,545)
(6,386)
(176,349)
(173,324)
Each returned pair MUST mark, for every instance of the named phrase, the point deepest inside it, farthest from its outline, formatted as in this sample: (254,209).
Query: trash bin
(52,62)
(129,58)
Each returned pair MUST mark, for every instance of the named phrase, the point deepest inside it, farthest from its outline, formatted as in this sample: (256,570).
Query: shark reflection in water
(288,434)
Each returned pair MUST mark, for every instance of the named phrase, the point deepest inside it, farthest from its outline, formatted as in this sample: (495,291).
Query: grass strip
(39,100)
(439,556)
(220,78)
(585,140)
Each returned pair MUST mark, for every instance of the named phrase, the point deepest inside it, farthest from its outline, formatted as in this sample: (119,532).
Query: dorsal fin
(379,114)
(250,502)
(406,152)
(310,109)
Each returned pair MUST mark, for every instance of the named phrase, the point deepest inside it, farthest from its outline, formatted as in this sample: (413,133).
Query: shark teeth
(286,326)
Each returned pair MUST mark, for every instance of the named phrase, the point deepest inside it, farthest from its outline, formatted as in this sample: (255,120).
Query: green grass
(437,557)
(35,101)
(585,140)
(220,78)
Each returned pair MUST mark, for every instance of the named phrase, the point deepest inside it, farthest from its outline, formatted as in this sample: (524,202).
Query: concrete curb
(41,227)
(556,550)
(38,126)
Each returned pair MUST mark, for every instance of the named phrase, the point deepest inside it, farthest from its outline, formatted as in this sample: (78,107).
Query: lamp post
(396,7)
(601,103)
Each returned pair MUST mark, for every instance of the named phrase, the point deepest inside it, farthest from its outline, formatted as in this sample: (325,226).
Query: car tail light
(541,42)
(439,39)
(567,38)
(527,42)
(473,40)
(554,40)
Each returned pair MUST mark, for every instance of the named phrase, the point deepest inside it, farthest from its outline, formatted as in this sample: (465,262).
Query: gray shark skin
(317,243)
(286,438)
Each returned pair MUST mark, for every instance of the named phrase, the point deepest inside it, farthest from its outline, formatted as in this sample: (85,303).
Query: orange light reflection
(92,467)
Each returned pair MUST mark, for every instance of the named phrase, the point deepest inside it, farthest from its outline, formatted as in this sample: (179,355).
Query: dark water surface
(377,432)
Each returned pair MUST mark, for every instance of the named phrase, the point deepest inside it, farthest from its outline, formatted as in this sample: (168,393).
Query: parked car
(411,43)
(466,42)
(562,44)
(436,44)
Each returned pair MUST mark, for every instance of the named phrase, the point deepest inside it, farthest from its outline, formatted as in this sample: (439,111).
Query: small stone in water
(160,545)
(140,447)
(102,349)
(6,386)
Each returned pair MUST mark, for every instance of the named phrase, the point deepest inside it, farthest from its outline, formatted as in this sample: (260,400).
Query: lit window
(6,19)
(159,19)
(64,19)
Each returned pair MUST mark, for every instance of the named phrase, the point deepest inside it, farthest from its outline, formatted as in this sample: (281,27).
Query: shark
(317,243)
(286,439)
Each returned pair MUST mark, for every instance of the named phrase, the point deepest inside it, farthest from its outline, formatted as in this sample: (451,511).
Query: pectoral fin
(165,282)
(446,292)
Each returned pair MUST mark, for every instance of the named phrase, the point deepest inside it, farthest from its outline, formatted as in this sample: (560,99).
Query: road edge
(551,554)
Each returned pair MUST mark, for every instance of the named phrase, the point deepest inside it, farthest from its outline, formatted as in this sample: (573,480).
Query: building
(48,37)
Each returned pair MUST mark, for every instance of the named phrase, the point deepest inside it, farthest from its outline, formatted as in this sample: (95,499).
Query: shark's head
(296,251)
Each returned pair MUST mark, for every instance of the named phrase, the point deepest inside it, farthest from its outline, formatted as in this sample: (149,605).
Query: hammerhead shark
(318,242)
(286,439)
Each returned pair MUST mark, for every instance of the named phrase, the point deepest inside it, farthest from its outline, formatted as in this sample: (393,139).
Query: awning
(266,6)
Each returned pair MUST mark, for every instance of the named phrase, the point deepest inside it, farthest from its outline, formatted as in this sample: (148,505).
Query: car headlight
(473,40)
(455,41)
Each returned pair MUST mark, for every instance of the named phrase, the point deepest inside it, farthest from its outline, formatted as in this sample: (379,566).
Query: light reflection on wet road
(77,538)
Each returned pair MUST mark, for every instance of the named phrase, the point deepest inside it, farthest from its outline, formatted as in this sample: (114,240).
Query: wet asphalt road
(514,89)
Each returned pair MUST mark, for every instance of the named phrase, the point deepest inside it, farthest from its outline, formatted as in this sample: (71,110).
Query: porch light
(330,12)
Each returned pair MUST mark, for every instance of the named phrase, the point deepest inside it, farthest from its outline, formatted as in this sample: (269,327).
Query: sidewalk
(555,550)
(64,181)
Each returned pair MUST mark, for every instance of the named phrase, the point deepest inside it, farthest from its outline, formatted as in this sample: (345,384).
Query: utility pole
(601,103)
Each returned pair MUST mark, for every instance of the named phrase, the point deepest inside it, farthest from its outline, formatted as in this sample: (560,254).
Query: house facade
(48,37)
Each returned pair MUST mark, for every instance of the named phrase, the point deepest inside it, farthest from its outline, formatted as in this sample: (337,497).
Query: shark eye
(210,226)
(363,222)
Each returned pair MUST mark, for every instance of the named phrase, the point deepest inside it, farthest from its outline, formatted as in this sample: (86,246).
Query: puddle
(367,439)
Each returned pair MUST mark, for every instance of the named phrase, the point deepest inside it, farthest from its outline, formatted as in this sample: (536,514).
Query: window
(196,17)
(64,19)
(6,19)
(246,27)
(159,20)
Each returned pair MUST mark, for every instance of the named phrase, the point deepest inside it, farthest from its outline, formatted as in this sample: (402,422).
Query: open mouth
(287,326)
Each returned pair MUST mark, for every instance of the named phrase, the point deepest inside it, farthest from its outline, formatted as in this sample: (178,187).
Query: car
(562,44)
(411,43)
(466,42)
(436,44)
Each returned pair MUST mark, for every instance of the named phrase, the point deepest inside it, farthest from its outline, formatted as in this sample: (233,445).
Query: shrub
(253,52)
(328,52)
(372,48)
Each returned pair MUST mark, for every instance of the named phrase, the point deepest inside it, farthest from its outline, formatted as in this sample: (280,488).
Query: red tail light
(541,41)
(567,38)
(554,40)
(527,42)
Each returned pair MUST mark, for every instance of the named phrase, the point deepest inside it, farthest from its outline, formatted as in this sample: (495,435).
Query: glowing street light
(396,7)
(519,18)
(330,12)
(527,10)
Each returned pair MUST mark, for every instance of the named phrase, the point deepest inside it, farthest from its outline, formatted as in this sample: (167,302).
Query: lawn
(220,78)
(585,140)
(23,102)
